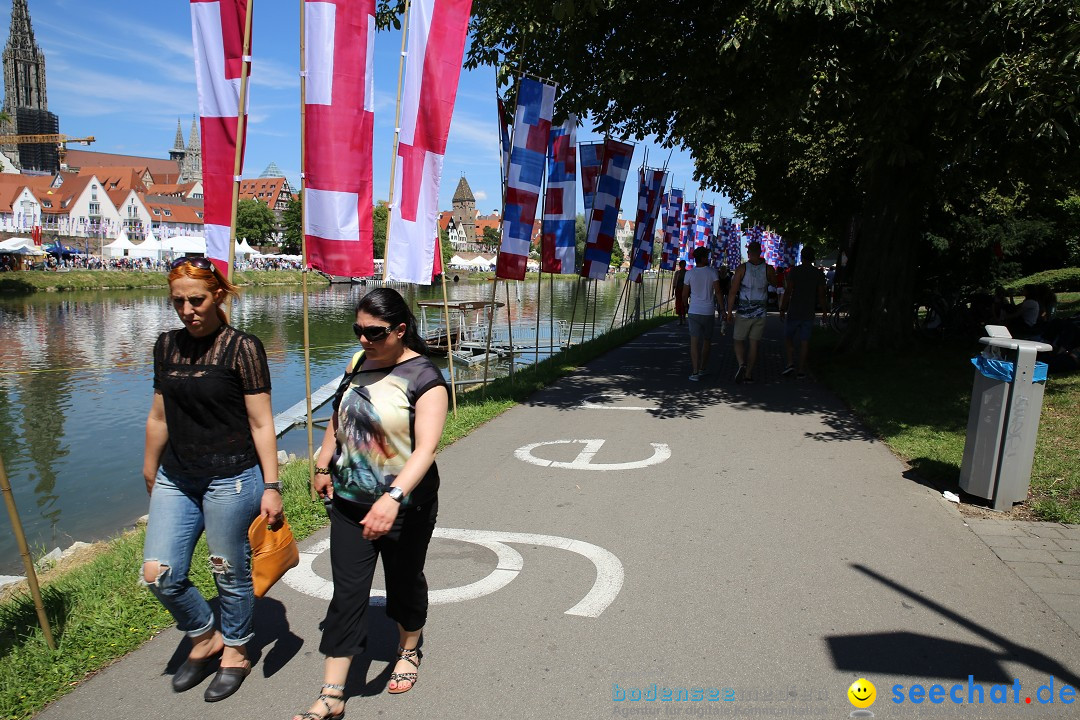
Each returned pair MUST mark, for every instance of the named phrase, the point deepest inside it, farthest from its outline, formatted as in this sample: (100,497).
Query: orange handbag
(273,553)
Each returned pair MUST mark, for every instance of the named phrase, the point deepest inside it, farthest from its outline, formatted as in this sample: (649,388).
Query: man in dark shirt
(804,291)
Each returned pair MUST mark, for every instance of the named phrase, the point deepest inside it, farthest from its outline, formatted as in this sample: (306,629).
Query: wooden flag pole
(491,327)
(504,170)
(241,126)
(585,311)
(304,270)
(510,332)
(397,135)
(618,304)
(596,292)
(573,313)
(24,551)
(539,297)
(551,315)
(449,336)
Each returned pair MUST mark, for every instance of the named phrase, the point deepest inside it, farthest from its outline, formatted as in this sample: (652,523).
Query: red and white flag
(217,29)
(339,45)
(437,31)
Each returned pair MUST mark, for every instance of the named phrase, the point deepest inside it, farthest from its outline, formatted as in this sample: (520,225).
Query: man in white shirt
(702,288)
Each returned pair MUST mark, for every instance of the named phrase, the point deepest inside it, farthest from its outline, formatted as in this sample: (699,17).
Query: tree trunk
(885,256)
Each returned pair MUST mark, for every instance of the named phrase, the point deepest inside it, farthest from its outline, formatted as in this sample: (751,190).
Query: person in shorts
(747,303)
(701,288)
(804,292)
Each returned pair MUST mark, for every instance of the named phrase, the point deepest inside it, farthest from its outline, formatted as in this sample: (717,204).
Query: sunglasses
(196,262)
(373,333)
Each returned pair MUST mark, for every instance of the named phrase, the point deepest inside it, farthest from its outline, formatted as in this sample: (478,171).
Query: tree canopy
(255,222)
(884,127)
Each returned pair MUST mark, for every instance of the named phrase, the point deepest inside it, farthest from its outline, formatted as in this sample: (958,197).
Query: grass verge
(917,401)
(30,281)
(99,611)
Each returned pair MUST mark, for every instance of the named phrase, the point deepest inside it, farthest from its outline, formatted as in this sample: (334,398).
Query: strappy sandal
(412,657)
(329,714)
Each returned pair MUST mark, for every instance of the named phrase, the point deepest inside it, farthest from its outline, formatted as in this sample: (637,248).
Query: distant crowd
(91,262)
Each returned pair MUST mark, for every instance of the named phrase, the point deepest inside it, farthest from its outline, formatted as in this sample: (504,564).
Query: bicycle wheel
(840,317)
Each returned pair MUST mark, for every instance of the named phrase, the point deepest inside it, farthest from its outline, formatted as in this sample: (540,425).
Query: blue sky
(122,71)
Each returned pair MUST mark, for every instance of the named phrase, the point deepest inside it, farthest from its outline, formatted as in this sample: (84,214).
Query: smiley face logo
(862,693)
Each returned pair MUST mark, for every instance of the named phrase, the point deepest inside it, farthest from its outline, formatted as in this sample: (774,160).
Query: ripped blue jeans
(180,509)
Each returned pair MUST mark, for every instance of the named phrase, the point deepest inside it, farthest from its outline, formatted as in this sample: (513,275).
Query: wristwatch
(272,486)
(395,494)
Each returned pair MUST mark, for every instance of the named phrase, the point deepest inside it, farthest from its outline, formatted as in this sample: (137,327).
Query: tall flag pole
(525,175)
(605,208)
(221,34)
(436,44)
(397,139)
(337,138)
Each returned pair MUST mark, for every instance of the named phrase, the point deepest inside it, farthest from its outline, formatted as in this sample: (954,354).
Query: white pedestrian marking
(608,583)
(583,461)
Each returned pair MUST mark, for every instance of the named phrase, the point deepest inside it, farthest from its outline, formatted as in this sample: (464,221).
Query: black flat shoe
(191,673)
(227,681)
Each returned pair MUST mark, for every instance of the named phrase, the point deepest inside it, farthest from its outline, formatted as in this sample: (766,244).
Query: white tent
(243,249)
(20,246)
(149,248)
(185,245)
(119,247)
(481,263)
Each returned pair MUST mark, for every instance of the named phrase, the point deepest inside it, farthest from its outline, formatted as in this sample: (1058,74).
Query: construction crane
(60,140)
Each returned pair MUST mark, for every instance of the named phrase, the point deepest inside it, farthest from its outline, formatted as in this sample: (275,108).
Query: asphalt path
(628,531)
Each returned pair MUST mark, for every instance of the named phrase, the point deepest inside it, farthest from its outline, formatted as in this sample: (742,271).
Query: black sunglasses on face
(374,333)
(198,262)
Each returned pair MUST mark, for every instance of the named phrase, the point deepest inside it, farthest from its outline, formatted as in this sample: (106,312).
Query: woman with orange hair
(210,427)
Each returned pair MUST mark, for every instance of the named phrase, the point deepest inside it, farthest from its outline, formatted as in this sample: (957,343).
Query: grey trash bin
(1006,401)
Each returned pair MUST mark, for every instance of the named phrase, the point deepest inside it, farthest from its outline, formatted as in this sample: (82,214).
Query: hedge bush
(1061,280)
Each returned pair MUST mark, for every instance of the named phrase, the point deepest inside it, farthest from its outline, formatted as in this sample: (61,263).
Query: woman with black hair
(377,467)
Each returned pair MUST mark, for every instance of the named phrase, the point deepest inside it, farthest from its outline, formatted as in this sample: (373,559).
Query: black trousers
(352,560)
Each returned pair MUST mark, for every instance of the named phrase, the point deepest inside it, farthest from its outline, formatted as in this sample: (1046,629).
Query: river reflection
(75,385)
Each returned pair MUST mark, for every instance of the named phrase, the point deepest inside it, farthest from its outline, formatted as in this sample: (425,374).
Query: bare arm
(261,420)
(427,430)
(789,286)
(736,282)
(157,436)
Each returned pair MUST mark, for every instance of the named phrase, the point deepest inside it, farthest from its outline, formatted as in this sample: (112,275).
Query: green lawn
(29,281)
(917,401)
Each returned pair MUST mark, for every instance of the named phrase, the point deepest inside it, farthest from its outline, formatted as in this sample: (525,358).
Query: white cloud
(480,195)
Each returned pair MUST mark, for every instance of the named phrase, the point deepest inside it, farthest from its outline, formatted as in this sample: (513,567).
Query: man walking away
(702,286)
(804,291)
(747,303)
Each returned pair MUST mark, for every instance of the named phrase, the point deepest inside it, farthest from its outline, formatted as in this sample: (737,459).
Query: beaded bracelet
(322,470)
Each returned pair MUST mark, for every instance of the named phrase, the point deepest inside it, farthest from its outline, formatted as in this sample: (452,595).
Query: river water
(76,382)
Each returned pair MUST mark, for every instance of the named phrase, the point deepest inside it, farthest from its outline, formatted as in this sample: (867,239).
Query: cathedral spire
(191,166)
(193,139)
(24,64)
(178,143)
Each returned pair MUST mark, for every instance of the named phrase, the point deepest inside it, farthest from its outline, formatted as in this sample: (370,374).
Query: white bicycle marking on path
(608,583)
(583,461)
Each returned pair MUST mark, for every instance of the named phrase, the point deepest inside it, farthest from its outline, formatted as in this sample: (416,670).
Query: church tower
(24,64)
(176,154)
(25,98)
(191,168)
(464,209)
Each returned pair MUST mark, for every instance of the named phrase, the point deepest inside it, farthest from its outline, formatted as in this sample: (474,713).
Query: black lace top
(203,382)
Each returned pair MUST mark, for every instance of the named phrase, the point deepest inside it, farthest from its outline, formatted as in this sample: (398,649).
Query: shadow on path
(904,653)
